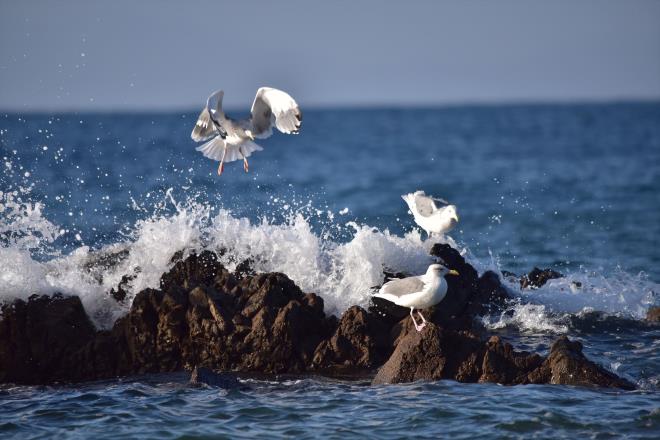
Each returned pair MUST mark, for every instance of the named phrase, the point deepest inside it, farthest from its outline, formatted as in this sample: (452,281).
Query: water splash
(342,262)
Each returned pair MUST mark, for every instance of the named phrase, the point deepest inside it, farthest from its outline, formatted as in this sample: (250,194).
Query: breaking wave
(341,262)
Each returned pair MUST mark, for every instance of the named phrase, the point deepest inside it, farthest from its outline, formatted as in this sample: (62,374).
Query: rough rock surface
(436,353)
(566,365)
(360,341)
(205,316)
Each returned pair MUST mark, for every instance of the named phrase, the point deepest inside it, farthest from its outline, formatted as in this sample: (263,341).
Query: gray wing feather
(424,204)
(403,286)
(211,119)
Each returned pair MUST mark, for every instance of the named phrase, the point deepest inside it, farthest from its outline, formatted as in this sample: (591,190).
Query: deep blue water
(574,187)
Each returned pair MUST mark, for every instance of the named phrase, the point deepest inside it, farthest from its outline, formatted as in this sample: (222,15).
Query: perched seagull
(427,214)
(418,292)
(232,140)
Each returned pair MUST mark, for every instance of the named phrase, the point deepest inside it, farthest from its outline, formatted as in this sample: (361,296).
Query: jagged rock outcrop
(567,365)
(204,316)
(436,353)
(361,341)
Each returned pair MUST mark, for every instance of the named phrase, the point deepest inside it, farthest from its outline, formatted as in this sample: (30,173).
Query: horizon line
(532,102)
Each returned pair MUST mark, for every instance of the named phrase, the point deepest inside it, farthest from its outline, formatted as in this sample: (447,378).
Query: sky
(165,55)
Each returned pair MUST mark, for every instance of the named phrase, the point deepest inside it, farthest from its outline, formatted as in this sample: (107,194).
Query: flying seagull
(435,216)
(230,139)
(418,292)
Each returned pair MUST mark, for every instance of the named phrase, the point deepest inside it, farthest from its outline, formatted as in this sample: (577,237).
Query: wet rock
(436,353)
(432,354)
(461,288)
(653,314)
(567,365)
(489,296)
(501,364)
(203,375)
(38,338)
(245,268)
(203,315)
(195,270)
(101,261)
(119,293)
(538,277)
(360,341)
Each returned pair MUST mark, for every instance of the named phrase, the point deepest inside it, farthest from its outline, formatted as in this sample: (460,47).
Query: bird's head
(249,134)
(440,270)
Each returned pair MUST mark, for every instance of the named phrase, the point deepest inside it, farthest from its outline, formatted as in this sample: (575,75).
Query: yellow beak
(453,272)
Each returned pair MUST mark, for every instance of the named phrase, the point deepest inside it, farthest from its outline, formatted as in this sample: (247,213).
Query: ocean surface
(571,187)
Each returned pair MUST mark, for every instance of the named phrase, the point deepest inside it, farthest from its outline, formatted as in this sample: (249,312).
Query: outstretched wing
(209,122)
(272,107)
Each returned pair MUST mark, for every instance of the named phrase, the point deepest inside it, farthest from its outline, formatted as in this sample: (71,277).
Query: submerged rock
(203,375)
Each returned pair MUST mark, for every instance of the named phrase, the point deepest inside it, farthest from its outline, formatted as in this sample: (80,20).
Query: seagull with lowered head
(231,139)
(418,292)
(435,216)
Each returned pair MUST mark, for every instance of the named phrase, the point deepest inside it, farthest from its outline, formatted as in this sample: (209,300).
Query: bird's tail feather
(213,149)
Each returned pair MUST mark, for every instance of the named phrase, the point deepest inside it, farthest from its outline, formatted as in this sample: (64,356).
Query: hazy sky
(82,54)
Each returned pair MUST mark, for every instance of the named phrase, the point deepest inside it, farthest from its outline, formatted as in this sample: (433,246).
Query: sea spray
(341,261)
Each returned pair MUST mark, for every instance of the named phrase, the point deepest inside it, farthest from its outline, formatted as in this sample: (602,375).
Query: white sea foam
(528,318)
(342,272)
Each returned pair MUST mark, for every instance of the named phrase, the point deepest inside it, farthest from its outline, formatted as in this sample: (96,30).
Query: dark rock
(567,365)
(245,268)
(461,289)
(501,364)
(537,278)
(387,310)
(193,271)
(203,315)
(432,354)
(203,375)
(119,294)
(100,261)
(653,314)
(38,338)
(489,296)
(360,341)
(436,353)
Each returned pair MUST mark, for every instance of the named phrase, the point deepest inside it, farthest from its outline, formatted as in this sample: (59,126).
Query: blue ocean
(571,187)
